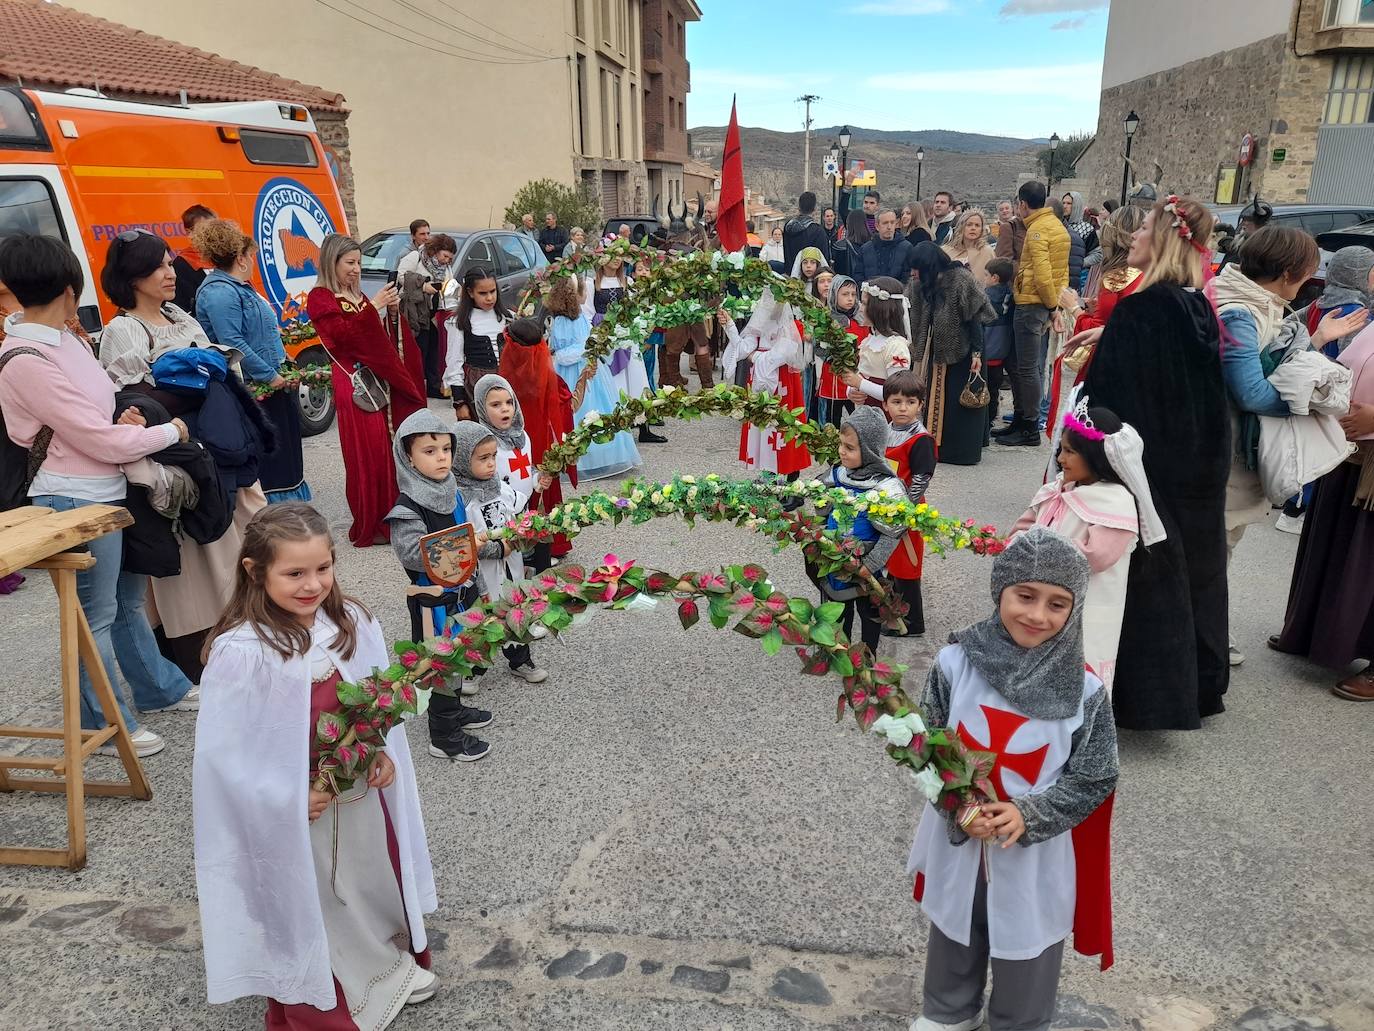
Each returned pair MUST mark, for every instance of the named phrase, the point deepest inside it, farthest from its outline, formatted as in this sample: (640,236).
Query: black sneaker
(648,436)
(462,748)
(1026,438)
(473,719)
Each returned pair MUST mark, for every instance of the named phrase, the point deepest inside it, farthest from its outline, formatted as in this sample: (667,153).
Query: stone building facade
(1268,69)
(667,81)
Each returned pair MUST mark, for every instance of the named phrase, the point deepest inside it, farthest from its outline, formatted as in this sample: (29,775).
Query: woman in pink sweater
(56,382)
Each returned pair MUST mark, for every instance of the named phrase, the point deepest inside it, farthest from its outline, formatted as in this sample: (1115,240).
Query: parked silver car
(512,257)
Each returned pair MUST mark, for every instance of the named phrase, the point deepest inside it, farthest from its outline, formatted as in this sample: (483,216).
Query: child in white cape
(303,899)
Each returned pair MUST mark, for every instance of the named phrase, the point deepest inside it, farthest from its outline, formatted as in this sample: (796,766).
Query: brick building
(1296,75)
(667,81)
(46,46)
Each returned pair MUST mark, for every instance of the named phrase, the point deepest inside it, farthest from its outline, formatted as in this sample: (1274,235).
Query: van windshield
(17,128)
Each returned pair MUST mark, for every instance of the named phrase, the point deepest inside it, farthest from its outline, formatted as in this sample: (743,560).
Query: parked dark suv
(513,257)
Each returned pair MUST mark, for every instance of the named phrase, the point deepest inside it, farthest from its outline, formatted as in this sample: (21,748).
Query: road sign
(1247,150)
(1279,156)
(831,167)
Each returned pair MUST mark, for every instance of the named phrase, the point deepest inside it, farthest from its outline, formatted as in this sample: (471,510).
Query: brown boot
(1357,688)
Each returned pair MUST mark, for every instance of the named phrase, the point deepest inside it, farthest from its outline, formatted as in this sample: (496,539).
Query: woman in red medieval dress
(361,337)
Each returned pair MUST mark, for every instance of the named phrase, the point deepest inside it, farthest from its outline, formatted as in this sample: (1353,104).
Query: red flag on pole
(730,212)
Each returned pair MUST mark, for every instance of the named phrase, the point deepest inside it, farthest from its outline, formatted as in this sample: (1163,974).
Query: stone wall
(1191,119)
(1297,115)
(332,129)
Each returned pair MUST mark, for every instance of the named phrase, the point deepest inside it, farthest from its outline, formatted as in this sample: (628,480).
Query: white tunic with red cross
(517,469)
(1031,888)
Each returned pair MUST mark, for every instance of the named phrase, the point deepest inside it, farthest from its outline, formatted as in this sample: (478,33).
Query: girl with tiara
(1101,501)
(887,348)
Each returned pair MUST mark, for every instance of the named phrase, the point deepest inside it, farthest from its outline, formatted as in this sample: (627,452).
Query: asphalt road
(672,832)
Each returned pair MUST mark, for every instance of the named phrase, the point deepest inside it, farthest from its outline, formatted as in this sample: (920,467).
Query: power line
(513,39)
(466,56)
(436,22)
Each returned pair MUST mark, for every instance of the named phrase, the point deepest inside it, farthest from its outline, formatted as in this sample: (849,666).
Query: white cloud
(1071,81)
(901,7)
(1014,7)
(1068,24)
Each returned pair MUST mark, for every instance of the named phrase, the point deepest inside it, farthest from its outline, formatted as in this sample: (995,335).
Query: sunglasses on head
(130,235)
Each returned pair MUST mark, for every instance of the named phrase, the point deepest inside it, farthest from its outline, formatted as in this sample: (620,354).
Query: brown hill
(773,165)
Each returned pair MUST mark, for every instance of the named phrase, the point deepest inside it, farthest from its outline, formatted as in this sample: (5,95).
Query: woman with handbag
(948,312)
(378,380)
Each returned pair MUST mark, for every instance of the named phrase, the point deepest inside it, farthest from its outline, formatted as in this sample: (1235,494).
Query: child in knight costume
(1008,885)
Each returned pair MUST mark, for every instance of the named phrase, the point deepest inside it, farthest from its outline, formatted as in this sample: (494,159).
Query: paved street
(673,833)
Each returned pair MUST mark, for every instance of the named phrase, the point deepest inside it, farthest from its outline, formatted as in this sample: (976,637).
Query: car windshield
(383,251)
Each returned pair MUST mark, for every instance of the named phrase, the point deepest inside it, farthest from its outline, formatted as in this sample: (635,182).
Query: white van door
(33,199)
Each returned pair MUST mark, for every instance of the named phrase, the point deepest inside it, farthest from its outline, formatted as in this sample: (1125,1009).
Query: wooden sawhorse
(39,538)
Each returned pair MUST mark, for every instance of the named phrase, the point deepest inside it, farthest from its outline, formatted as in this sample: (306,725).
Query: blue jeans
(114,605)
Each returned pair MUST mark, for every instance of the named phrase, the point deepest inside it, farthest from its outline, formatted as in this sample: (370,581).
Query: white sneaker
(468,689)
(530,673)
(189,702)
(1234,656)
(145,742)
(426,986)
(1290,524)
(926,1024)
(539,631)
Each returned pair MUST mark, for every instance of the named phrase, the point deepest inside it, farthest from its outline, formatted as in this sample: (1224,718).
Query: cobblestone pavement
(672,832)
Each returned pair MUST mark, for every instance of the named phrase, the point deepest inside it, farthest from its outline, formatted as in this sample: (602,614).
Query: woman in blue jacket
(234,315)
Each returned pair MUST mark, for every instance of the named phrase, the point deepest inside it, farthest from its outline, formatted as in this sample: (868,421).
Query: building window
(607,22)
(1352,86)
(1349,12)
(672,115)
(579,18)
(584,129)
(635,124)
(619,141)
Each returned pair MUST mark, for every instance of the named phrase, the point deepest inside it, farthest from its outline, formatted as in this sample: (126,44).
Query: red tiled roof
(44,43)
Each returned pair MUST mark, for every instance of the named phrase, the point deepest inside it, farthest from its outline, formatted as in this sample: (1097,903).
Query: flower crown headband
(1081,423)
(1173,206)
(883,295)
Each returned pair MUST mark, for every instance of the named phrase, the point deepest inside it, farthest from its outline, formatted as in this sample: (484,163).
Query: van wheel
(316,403)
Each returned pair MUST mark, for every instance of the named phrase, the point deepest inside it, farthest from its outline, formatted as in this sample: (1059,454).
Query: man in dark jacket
(887,254)
(804,231)
(552,238)
(1077,248)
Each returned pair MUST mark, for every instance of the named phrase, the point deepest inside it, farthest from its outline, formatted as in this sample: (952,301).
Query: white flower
(688,479)
(592,416)
(899,730)
(928,781)
(641,603)
(736,259)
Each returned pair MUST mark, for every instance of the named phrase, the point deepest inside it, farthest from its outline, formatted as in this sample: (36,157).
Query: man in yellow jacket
(1041,274)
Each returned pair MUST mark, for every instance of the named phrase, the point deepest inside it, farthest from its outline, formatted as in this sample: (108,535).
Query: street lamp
(1131,125)
(1049,176)
(844,164)
(920,160)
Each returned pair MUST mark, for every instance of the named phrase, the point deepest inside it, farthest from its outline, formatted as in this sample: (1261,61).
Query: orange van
(86,168)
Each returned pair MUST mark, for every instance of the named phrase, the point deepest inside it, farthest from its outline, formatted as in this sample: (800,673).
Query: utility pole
(807,99)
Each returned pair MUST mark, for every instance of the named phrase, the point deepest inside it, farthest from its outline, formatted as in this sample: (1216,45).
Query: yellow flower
(668,491)
(689,479)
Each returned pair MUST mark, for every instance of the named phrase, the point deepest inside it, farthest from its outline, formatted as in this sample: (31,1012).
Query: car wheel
(316,403)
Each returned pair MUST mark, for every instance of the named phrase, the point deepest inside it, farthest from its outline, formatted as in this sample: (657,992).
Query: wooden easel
(39,538)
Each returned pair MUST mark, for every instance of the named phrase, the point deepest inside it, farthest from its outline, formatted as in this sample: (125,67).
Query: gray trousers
(1023,991)
(1028,331)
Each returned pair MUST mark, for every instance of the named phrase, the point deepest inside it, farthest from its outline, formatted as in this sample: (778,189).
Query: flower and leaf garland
(949,774)
(295,376)
(757,409)
(708,277)
(758,505)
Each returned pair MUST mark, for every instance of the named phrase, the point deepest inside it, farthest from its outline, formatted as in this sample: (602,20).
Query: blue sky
(1006,67)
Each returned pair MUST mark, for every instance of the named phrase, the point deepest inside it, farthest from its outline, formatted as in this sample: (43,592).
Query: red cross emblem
(520,464)
(772,440)
(1002,727)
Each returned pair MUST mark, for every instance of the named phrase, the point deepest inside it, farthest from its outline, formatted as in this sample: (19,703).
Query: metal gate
(1344,170)
(610,194)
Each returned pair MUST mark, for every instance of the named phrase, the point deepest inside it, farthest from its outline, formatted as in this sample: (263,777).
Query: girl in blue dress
(568,334)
